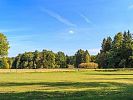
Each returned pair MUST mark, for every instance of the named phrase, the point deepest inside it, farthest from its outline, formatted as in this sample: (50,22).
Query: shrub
(90,65)
(70,66)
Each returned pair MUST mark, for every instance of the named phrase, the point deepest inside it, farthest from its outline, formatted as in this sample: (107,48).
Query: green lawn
(79,85)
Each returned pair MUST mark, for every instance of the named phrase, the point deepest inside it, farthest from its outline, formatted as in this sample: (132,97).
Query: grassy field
(69,85)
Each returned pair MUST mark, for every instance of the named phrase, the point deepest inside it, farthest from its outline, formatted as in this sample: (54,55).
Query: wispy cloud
(130,6)
(85,18)
(22,38)
(58,17)
(13,30)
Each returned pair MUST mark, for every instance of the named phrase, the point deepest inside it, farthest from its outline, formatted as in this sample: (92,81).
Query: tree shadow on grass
(65,84)
(123,92)
(116,74)
(108,74)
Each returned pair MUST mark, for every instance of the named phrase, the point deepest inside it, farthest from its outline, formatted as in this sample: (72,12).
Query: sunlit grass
(67,85)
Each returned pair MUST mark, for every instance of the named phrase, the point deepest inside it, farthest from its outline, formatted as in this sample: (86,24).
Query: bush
(70,66)
(90,65)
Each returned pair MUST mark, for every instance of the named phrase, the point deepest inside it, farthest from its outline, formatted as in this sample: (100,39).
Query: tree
(127,47)
(87,57)
(5,63)
(71,60)
(36,59)
(82,57)
(4,45)
(48,59)
(117,42)
(103,57)
(60,60)
(1,64)
(103,45)
(16,63)
(10,61)
(117,53)
(79,57)
(93,58)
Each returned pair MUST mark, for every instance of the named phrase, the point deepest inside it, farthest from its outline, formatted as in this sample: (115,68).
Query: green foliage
(87,57)
(1,64)
(49,59)
(71,60)
(117,42)
(60,60)
(34,60)
(5,63)
(107,44)
(93,58)
(4,45)
(102,59)
(82,57)
(118,53)
(10,61)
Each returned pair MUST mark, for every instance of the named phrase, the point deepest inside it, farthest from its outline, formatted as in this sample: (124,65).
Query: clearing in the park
(67,85)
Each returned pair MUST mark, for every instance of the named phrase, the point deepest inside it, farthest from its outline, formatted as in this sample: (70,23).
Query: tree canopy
(4,45)
(116,53)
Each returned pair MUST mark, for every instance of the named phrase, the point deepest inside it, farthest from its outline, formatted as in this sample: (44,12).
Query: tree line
(43,59)
(116,52)
(49,59)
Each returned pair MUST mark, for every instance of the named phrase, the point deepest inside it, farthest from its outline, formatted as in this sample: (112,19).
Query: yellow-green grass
(69,85)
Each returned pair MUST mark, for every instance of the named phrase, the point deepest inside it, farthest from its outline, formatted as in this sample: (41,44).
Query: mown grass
(79,85)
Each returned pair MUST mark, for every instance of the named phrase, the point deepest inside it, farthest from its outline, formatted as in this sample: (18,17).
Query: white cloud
(85,18)
(94,51)
(58,17)
(71,32)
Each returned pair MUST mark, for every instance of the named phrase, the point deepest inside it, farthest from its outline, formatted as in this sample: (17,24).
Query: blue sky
(63,25)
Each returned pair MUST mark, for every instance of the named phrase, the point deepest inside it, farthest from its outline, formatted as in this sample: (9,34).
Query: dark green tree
(71,60)
(103,57)
(48,59)
(60,60)
(82,57)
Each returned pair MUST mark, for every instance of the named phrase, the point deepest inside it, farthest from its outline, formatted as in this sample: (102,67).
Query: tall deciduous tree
(82,57)
(4,45)
(5,63)
(87,57)
(60,60)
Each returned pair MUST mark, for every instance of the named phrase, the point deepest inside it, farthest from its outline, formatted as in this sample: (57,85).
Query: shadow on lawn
(123,92)
(66,84)
(114,74)
(108,74)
